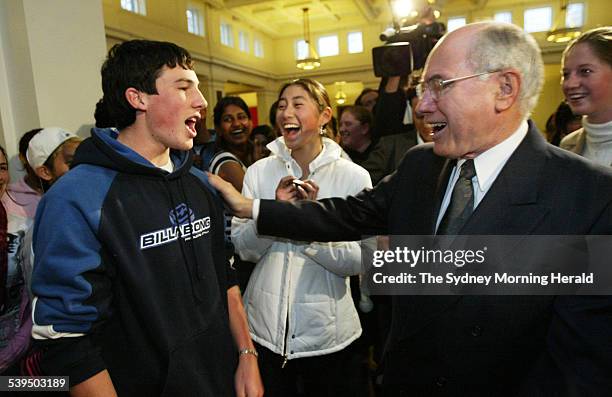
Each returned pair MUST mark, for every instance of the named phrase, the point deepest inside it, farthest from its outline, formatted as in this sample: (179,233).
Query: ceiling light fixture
(401,8)
(562,35)
(312,60)
(340,96)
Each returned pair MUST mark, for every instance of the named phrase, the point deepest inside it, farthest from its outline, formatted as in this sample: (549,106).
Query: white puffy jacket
(298,285)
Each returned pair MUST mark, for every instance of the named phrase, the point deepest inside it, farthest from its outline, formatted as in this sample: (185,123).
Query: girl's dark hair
(225,102)
(25,139)
(4,153)
(136,64)
(265,130)
(558,123)
(220,142)
(365,91)
(272,115)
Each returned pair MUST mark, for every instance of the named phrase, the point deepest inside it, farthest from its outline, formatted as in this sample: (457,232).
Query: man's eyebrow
(435,76)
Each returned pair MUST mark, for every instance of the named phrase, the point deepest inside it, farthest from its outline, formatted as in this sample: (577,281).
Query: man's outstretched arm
(333,219)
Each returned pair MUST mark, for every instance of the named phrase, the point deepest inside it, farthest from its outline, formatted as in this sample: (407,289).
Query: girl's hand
(291,189)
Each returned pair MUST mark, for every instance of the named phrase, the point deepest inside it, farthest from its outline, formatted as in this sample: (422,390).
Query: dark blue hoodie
(131,275)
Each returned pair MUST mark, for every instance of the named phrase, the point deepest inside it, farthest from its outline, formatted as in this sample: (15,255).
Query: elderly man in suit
(479,85)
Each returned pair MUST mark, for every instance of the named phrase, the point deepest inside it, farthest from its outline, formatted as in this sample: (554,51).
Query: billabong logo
(184,225)
(181,215)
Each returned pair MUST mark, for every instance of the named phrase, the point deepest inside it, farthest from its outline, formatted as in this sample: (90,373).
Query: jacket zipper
(286,340)
(285,358)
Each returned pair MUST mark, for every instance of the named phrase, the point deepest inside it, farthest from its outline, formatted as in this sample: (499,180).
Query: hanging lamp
(562,35)
(312,60)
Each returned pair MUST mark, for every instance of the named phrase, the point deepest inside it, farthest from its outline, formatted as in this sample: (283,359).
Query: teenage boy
(133,294)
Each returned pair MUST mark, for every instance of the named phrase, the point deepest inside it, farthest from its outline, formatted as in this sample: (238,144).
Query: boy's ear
(136,98)
(44,173)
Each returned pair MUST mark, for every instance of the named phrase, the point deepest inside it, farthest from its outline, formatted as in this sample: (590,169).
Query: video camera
(405,48)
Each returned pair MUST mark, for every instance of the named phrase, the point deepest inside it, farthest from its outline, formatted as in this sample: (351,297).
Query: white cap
(44,143)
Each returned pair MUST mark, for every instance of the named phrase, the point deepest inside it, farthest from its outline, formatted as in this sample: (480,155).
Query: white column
(265,99)
(213,88)
(50,58)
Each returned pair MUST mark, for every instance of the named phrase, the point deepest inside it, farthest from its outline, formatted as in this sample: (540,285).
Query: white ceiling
(282,18)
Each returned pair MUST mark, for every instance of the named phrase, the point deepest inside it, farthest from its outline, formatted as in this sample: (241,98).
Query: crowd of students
(296,328)
(45,154)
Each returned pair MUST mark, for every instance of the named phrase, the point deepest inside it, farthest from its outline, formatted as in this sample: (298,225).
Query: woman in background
(561,123)
(15,321)
(261,136)
(298,300)
(234,152)
(587,86)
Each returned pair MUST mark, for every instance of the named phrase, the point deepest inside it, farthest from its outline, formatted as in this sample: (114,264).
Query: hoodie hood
(22,187)
(104,150)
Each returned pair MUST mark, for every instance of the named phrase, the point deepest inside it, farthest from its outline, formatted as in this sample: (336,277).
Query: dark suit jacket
(481,345)
(387,154)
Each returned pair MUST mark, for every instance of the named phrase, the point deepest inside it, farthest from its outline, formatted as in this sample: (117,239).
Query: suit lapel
(441,185)
(511,205)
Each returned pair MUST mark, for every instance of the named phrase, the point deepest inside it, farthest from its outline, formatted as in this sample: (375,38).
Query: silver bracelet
(248,351)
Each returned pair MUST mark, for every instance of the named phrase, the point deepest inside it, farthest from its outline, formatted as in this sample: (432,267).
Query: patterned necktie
(461,203)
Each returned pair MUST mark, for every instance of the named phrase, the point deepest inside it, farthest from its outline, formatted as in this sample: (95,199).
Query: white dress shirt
(488,165)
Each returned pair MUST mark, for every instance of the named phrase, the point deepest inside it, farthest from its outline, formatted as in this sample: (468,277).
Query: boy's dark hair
(137,64)
(225,102)
(103,119)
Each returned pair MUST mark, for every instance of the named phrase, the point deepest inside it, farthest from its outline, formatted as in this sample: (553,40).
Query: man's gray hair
(502,46)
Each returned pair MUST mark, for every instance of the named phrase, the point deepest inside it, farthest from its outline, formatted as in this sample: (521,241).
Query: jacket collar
(330,153)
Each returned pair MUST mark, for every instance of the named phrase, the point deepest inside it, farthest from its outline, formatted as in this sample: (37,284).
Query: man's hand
(291,189)
(247,380)
(239,205)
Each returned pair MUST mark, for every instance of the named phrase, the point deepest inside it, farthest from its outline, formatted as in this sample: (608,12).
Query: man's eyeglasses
(436,85)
